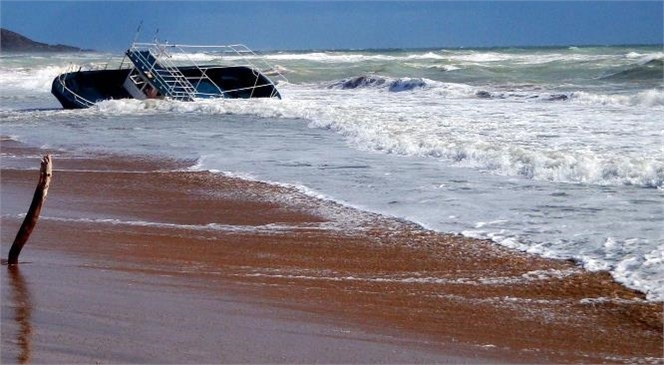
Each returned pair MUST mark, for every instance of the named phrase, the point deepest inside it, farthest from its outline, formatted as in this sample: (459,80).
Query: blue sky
(110,25)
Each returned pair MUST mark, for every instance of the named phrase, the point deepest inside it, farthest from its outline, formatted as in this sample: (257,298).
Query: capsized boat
(167,71)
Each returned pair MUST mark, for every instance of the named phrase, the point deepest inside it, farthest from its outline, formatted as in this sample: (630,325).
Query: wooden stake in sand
(31,218)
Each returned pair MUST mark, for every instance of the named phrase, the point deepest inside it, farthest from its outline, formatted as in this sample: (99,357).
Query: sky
(316,25)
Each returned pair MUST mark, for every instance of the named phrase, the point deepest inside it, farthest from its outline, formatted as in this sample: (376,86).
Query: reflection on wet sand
(23,311)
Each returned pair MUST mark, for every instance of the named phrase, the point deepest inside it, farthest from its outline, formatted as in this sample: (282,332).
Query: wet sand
(195,238)
(61,310)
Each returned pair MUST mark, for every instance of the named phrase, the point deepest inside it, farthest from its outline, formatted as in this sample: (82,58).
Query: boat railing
(78,98)
(113,63)
(166,60)
(232,55)
(165,76)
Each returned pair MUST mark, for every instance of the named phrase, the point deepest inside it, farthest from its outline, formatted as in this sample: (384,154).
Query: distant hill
(14,42)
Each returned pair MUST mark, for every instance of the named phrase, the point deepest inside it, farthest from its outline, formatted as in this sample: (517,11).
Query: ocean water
(554,151)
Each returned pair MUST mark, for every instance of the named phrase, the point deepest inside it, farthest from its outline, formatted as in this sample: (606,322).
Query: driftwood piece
(32,216)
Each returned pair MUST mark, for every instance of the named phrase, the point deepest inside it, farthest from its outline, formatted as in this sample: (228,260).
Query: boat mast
(138,31)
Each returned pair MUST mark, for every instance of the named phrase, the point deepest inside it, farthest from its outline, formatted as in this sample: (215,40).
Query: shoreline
(142,216)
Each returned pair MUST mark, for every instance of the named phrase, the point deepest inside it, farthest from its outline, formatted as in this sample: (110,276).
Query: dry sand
(170,265)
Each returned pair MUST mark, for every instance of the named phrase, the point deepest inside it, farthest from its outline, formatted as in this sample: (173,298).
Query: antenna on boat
(138,30)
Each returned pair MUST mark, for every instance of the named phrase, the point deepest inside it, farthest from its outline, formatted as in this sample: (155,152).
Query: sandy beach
(138,260)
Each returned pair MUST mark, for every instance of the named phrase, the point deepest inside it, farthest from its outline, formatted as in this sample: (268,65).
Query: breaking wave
(543,165)
(351,57)
(30,79)
(646,98)
(650,68)
(371,81)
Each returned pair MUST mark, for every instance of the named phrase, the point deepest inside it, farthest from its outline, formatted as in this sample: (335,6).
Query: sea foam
(395,125)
